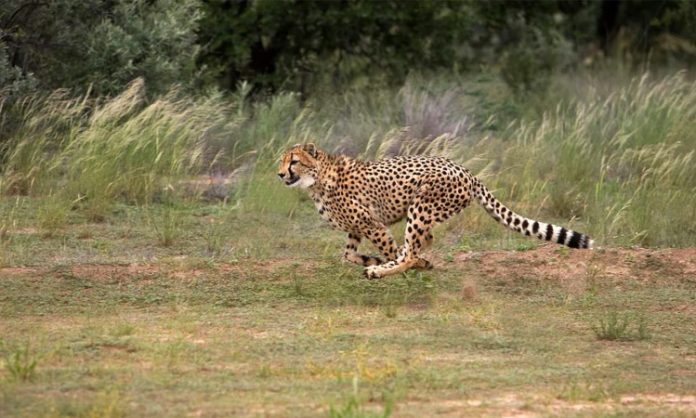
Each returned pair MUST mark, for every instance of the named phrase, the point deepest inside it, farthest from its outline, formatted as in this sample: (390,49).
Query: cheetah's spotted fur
(364,198)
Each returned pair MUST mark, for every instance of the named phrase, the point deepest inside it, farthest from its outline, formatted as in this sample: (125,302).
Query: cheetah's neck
(331,170)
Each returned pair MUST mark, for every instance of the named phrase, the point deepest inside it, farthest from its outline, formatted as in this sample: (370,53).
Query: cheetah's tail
(529,227)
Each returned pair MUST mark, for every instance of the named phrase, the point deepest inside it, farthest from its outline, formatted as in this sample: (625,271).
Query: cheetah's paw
(423,264)
(371,272)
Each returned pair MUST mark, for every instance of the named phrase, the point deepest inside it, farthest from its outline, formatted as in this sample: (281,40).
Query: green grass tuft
(353,408)
(21,362)
(616,327)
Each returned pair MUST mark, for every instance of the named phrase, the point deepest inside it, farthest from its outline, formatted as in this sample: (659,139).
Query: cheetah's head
(299,166)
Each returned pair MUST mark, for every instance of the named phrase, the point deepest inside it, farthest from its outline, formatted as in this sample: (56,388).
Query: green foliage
(44,38)
(8,220)
(20,362)
(125,148)
(13,82)
(311,46)
(75,43)
(296,44)
(352,407)
(529,65)
(167,224)
(215,236)
(153,40)
(616,327)
(614,158)
(664,29)
(52,215)
(35,127)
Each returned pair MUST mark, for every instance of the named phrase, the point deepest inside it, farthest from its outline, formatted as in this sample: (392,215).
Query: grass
(281,327)
(352,407)
(20,363)
(617,162)
(616,327)
(52,215)
(167,223)
(122,149)
(138,298)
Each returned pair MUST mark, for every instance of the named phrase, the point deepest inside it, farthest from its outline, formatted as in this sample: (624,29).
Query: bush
(13,82)
(626,327)
(74,43)
(528,64)
(152,40)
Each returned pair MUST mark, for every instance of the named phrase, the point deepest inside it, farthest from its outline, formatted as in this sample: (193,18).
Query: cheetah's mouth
(292,180)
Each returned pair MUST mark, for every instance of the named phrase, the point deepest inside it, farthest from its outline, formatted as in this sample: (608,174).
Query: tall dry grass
(124,148)
(616,161)
(622,161)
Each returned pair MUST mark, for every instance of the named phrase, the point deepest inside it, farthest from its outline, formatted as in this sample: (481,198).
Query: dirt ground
(550,261)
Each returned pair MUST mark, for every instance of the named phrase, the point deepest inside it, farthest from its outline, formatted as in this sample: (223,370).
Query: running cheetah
(364,198)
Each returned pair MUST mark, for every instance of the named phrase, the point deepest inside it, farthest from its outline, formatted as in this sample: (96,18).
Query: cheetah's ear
(311,149)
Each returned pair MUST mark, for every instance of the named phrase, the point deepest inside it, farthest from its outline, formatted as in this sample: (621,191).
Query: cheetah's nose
(281,175)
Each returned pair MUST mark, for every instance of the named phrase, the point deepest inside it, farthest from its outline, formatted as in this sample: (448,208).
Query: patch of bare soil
(18,271)
(564,265)
(113,271)
(530,405)
(686,401)
(572,268)
(25,231)
(181,269)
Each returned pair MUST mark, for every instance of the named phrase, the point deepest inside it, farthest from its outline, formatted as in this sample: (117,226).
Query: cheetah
(364,198)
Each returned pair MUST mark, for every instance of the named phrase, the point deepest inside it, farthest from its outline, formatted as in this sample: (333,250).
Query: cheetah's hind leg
(351,253)
(415,239)
(422,263)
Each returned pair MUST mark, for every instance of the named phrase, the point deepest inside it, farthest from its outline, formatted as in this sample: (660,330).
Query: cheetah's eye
(293,162)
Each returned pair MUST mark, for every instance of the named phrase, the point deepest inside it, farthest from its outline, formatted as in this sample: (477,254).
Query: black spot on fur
(535,227)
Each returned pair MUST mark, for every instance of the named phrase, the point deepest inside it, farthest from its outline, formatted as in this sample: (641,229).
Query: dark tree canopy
(301,45)
(296,43)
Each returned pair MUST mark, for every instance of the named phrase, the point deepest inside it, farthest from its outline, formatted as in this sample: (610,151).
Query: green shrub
(52,215)
(14,84)
(20,363)
(154,40)
(529,64)
(616,327)
(352,407)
